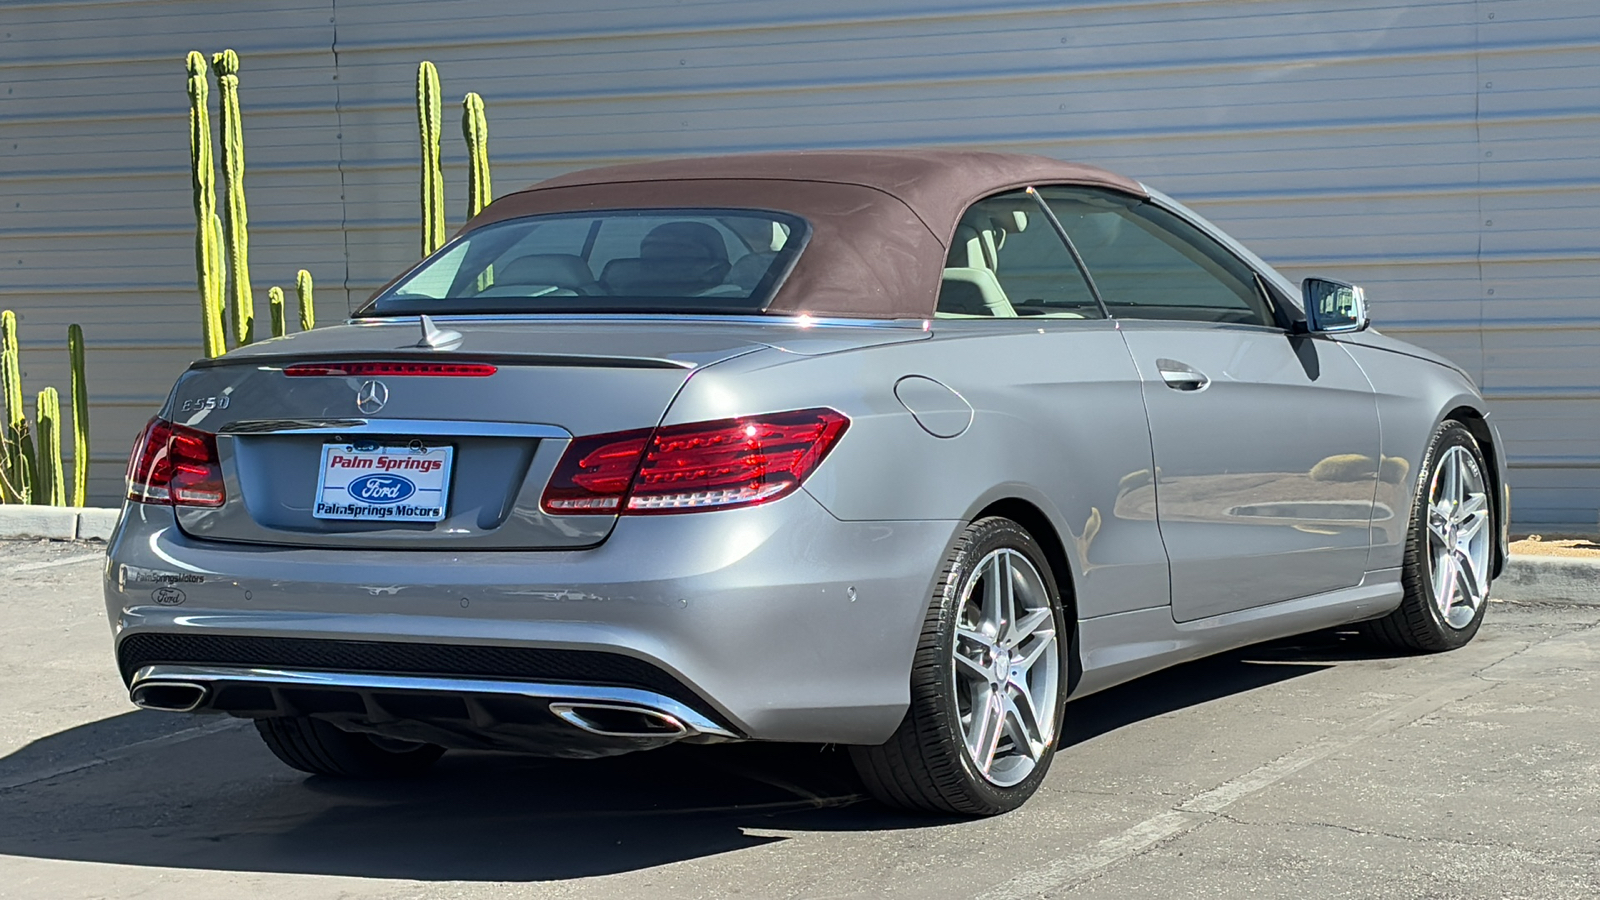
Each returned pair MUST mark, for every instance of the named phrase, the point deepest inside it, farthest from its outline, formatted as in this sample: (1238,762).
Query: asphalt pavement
(1312,767)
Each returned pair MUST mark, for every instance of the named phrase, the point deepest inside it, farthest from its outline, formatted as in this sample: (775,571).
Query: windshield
(654,261)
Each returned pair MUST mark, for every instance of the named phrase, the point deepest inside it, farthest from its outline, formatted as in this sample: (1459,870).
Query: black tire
(314,746)
(925,766)
(1417,625)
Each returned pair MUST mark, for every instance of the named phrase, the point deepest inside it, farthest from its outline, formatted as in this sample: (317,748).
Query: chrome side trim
(407,427)
(692,721)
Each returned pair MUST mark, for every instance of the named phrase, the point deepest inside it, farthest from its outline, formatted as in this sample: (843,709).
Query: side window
(1149,264)
(1006,261)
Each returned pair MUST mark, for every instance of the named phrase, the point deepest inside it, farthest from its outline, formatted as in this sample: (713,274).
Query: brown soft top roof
(868,257)
(938,185)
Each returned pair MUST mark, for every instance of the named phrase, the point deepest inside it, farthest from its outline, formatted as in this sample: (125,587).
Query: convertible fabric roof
(882,220)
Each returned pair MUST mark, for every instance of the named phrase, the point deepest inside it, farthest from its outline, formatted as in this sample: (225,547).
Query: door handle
(1181,376)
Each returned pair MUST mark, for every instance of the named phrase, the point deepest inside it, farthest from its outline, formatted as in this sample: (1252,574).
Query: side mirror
(1333,306)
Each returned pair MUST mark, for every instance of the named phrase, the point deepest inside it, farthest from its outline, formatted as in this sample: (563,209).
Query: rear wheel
(1449,550)
(312,745)
(987,683)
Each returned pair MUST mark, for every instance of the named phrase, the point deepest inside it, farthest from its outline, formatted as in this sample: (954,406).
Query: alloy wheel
(1458,537)
(1007,667)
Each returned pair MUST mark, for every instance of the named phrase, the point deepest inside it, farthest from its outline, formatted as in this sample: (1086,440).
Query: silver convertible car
(899,450)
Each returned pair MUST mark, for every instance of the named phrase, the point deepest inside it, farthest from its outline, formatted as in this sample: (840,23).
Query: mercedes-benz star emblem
(371,396)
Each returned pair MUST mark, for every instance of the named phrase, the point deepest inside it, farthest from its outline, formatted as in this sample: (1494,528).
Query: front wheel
(988,687)
(1449,550)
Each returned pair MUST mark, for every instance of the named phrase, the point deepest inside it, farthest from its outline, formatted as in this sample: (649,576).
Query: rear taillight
(176,465)
(684,468)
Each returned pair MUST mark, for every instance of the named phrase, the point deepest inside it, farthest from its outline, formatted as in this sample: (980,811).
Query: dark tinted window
(1006,261)
(1149,264)
(690,261)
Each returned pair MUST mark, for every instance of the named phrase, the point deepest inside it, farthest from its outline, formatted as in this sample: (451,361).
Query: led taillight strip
(176,465)
(722,464)
(389,369)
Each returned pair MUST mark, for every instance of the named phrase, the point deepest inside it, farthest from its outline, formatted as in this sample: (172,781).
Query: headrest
(684,240)
(664,277)
(561,269)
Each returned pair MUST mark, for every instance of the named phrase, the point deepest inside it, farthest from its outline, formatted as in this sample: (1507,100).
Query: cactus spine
(275,302)
(207,249)
(475,128)
(80,417)
(237,225)
(429,116)
(51,488)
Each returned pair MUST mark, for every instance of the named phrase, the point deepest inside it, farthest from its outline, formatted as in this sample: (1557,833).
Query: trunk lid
(505,431)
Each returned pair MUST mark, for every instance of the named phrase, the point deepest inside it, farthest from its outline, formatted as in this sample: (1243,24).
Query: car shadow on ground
(220,801)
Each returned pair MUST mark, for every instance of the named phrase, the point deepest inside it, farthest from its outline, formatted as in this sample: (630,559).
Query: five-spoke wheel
(1458,536)
(1449,550)
(988,683)
(1007,666)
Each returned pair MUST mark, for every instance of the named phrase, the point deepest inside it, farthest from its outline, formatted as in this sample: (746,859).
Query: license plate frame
(383,481)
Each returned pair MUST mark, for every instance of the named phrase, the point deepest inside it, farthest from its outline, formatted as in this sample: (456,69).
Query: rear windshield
(655,261)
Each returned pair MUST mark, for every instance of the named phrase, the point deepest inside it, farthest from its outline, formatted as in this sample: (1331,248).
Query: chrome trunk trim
(407,427)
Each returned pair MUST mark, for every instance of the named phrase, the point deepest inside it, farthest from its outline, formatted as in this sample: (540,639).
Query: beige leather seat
(969,287)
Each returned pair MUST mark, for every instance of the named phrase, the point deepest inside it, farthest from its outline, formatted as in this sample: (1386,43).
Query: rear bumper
(776,622)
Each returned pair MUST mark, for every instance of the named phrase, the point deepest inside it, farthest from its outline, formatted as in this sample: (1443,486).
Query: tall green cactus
(280,325)
(475,128)
(429,116)
(203,177)
(8,344)
(11,491)
(80,417)
(13,486)
(236,229)
(308,310)
(50,487)
(20,458)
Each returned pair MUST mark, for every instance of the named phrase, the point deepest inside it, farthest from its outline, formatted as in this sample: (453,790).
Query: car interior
(723,257)
(999,268)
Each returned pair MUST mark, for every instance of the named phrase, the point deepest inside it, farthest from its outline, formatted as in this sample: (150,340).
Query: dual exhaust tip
(168,696)
(620,720)
(604,719)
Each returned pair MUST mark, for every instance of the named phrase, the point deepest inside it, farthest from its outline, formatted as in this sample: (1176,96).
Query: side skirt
(1124,646)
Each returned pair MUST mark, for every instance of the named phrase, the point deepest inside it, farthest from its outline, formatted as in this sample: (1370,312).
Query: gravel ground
(1538,545)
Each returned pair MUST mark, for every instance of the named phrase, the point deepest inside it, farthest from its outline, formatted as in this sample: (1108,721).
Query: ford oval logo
(382,488)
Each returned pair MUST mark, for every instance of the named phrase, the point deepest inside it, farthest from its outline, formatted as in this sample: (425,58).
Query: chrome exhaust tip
(168,696)
(619,720)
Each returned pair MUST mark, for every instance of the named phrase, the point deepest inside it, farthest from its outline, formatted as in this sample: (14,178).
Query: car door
(1035,349)
(1265,442)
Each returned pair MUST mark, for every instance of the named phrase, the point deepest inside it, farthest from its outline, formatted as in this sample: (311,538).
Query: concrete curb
(1559,579)
(57,523)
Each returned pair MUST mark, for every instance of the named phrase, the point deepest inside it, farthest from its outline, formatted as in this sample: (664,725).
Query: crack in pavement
(1487,844)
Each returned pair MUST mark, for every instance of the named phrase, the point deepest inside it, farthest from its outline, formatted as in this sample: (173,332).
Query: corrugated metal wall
(1444,154)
